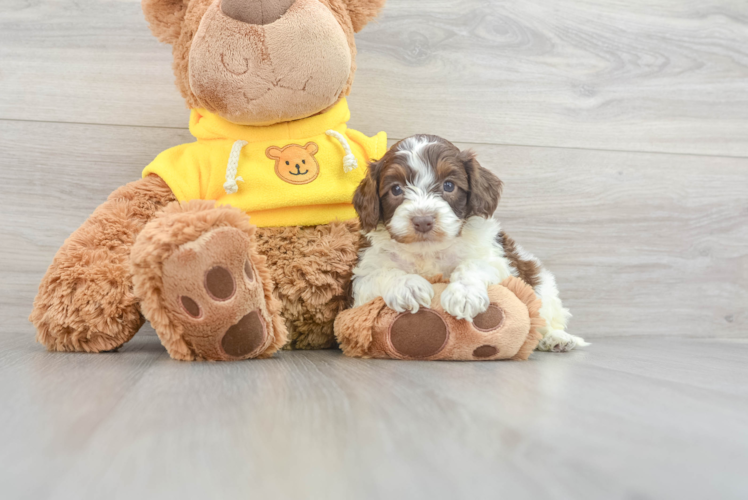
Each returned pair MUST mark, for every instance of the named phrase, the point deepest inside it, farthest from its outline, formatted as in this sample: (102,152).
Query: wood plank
(85,62)
(663,75)
(318,425)
(642,244)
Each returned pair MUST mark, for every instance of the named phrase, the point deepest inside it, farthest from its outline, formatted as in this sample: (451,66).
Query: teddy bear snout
(256,11)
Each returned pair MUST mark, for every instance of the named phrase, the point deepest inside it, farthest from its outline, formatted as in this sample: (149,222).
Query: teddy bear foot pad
(212,291)
(425,334)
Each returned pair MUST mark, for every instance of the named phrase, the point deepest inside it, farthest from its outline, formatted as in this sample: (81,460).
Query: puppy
(426,209)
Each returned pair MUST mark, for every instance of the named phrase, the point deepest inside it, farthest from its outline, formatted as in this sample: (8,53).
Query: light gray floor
(624,419)
(620,130)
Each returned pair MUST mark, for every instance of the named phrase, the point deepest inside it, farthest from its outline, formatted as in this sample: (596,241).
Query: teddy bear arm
(85,301)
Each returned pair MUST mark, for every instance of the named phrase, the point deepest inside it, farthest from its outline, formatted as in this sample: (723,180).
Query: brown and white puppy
(426,209)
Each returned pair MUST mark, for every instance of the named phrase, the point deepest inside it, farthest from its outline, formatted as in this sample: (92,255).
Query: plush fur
(363,11)
(260,75)
(427,210)
(177,23)
(260,12)
(312,269)
(86,300)
(165,18)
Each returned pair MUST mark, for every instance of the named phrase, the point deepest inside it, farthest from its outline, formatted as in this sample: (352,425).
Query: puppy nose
(255,11)
(423,224)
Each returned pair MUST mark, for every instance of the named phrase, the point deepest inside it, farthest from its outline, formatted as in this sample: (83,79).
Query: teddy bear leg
(312,268)
(203,285)
(507,330)
(85,301)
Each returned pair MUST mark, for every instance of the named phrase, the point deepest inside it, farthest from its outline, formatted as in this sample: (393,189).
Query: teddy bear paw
(507,328)
(213,292)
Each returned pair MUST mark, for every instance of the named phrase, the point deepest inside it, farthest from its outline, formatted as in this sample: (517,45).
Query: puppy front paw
(409,293)
(465,300)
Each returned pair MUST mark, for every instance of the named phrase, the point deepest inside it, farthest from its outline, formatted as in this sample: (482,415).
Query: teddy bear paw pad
(485,351)
(245,337)
(218,299)
(421,335)
(490,320)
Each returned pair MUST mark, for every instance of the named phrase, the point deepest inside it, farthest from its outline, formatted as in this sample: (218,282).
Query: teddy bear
(266,82)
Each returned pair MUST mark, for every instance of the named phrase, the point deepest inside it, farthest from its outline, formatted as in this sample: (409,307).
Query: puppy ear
(363,11)
(366,199)
(165,18)
(485,187)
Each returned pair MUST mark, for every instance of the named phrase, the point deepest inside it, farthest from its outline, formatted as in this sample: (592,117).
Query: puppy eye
(396,190)
(449,186)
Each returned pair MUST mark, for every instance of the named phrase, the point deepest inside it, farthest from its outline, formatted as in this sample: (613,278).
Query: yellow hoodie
(299,173)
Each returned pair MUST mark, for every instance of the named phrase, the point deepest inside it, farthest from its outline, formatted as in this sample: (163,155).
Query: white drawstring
(349,161)
(230,185)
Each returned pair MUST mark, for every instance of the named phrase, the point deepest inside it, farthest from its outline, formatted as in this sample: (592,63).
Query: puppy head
(423,189)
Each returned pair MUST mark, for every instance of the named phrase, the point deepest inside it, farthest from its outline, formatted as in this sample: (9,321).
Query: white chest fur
(476,242)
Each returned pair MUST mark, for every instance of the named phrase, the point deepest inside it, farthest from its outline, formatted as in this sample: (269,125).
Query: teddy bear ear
(363,11)
(165,18)
(274,153)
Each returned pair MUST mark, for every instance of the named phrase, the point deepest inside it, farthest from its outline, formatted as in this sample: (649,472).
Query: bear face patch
(295,164)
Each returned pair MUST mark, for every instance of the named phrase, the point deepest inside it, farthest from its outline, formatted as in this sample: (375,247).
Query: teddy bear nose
(423,224)
(255,11)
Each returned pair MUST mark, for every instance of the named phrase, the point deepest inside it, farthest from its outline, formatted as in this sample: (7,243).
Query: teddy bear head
(260,62)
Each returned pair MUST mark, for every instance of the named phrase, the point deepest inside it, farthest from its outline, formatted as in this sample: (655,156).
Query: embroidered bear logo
(295,164)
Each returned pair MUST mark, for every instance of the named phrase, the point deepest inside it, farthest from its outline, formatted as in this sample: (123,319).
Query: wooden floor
(637,418)
(621,132)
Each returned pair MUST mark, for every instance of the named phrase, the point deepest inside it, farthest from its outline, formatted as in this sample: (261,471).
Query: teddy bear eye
(449,186)
(303,161)
(396,190)
(288,163)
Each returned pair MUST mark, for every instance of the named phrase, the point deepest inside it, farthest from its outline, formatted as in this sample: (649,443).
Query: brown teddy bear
(266,81)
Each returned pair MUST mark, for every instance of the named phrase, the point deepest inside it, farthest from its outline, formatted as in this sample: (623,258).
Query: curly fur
(311,267)
(165,18)
(176,225)
(86,301)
